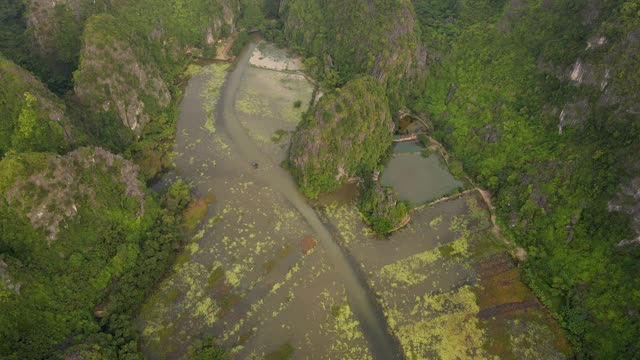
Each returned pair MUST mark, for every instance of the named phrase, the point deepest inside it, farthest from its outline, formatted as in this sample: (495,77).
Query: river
(267,274)
(365,308)
(257,219)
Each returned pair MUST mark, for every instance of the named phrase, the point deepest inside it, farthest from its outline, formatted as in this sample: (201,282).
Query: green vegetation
(12,29)
(34,119)
(241,40)
(100,271)
(343,40)
(348,132)
(277,136)
(382,211)
(123,81)
(344,136)
(547,120)
(34,133)
(495,93)
(83,242)
(195,212)
(205,349)
(337,141)
(284,352)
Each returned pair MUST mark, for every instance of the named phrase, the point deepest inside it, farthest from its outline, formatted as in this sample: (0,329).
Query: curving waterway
(372,321)
(266,274)
(248,277)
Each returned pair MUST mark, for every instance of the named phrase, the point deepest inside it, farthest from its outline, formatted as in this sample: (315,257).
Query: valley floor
(259,276)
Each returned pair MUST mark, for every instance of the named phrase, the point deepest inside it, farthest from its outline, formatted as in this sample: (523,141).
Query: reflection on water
(407,147)
(346,194)
(418,179)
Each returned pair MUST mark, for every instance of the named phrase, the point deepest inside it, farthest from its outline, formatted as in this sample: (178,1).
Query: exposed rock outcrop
(346,134)
(51,190)
(115,78)
(381,208)
(627,200)
(123,65)
(362,36)
(42,112)
(7,282)
(43,19)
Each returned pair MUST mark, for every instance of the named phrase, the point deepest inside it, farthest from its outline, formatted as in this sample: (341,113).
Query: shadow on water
(364,306)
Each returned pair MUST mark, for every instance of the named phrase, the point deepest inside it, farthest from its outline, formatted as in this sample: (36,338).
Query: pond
(407,147)
(418,179)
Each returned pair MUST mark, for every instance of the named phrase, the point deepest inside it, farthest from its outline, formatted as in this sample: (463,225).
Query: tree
(33,132)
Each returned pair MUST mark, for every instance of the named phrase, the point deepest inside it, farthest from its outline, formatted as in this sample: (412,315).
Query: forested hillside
(34,119)
(88,102)
(539,100)
(355,122)
(341,40)
(71,226)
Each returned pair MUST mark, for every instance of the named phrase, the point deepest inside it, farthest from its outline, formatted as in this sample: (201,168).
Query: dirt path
(517,252)
(224,53)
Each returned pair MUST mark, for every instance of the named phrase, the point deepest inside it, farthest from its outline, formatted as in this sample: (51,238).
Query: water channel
(267,273)
(253,225)
(271,174)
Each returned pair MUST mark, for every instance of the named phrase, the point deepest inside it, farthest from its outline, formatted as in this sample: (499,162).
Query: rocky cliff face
(44,19)
(342,41)
(116,79)
(345,135)
(79,228)
(51,190)
(33,118)
(374,37)
(48,19)
(606,81)
(70,225)
(604,73)
(549,121)
(124,49)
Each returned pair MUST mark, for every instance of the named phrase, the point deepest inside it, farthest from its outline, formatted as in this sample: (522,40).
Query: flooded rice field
(266,274)
(269,106)
(447,288)
(261,272)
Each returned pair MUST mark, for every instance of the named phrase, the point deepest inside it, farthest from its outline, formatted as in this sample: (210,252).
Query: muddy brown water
(372,321)
(219,163)
(258,213)
(416,178)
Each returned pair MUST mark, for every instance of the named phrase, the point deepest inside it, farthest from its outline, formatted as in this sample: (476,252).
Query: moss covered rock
(376,37)
(115,80)
(33,119)
(345,135)
(381,208)
(70,225)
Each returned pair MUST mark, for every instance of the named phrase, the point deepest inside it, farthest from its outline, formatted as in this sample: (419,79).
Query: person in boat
(254,164)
